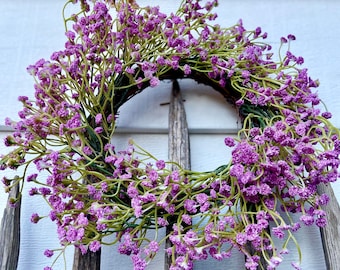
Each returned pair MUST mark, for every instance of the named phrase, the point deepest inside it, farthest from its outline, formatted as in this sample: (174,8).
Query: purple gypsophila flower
(244,153)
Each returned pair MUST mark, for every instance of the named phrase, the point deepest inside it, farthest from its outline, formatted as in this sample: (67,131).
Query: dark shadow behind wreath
(285,149)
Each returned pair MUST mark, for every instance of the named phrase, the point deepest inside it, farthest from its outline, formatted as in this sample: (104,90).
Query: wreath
(115,50)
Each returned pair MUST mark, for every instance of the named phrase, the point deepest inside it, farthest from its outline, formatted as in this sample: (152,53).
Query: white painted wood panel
(33,29)
(207,111)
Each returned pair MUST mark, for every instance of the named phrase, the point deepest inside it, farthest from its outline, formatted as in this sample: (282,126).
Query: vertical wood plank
(330,234)
(179,145)
(10,234)
(88,261)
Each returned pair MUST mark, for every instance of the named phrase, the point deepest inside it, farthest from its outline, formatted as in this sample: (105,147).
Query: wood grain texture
(88,261)
(179,145)
(10,234)
(330,234)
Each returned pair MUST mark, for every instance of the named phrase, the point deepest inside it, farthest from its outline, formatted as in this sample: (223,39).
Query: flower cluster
(285,149)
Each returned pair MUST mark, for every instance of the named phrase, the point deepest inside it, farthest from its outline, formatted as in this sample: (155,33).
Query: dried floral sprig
(285,149)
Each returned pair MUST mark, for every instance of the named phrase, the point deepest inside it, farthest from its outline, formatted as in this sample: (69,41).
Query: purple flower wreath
(285,149)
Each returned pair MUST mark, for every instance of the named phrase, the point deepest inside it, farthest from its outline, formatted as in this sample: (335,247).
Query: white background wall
(32,29)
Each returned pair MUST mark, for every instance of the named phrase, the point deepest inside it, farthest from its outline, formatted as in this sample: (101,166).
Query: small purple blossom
(98,118)
(48,253)
(154,81)
(32,177)
(327,115)
(153,247)
(241,238)
(307,219)
(245,153)
(278,232)
(296,266)
(187,69)
(138,263)
(284,40)
(160,164)
(237,170)
(35,218)
(87,150)
(190,206)
(187,219)
(98,130)
(230,142)
(94,246)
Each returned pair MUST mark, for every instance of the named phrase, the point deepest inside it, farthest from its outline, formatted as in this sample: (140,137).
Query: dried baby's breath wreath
(285,149)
